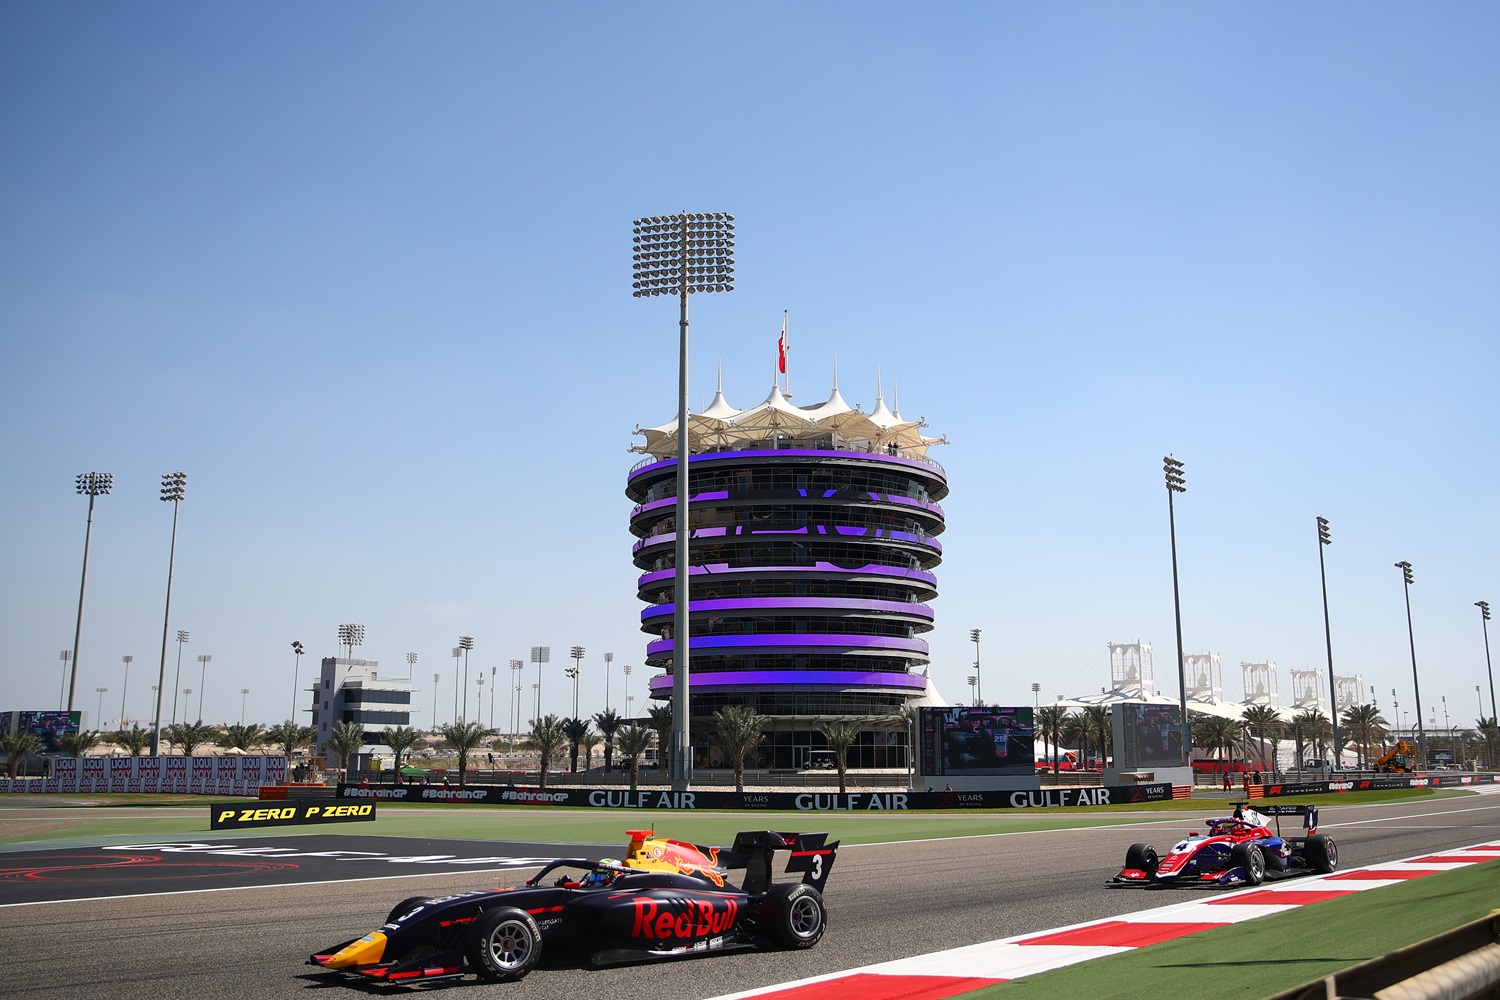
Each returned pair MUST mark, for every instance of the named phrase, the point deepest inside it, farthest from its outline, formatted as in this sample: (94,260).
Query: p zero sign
(238,816)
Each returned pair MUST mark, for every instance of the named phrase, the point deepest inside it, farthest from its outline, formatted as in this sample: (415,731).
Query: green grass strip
(1265,956)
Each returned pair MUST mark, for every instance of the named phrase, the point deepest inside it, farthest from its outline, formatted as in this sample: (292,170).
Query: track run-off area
(159,908)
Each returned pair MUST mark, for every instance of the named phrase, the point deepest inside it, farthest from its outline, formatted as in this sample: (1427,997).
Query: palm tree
(1264,722)
(575,730)
(738,730)
(608,723)
(1488,731)
(550,735)
(1319,730)
(661,721)
(1301,730)
(840,736)
(1049,722)
(189,736)
(17,747)
(464,738)
(1075,730)
(400,740)
(1101,732)
(634,740)
(289,736)
(80,743)
(1364,725)
(135,739)
(345,740)
(242,737)
(1218,735)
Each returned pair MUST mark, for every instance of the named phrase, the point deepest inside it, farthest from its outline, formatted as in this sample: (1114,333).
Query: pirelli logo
(235,816)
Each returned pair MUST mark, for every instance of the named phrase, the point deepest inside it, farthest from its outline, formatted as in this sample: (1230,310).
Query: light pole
(91,485)
(351,636)
(203,661)
(125,687)
(577,654)
(457,654)
(1036,700)
(608,659)
(680,255)
(976,695)
(182,638)
(513,720)
(626,670)
(244,693)
(1324,539)
(494,684)
(1177,483)
(973,681)
(173,489)
(65,656)
(99,712)
(479,698)
(435,679)
(1484,623)
(466,643)
(539,656)
(1405,568)
(411,665)
(297,651)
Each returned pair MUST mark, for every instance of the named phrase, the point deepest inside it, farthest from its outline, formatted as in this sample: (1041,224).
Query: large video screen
(49,726)
(985,739)
(1151,735)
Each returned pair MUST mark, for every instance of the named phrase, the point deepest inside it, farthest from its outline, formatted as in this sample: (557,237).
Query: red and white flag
(781,346)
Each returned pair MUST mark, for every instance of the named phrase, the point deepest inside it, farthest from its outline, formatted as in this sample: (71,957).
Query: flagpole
(786,315)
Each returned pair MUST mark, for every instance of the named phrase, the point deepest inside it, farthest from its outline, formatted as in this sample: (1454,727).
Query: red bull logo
(682,919)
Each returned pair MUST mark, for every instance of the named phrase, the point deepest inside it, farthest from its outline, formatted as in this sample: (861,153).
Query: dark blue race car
(1235,850)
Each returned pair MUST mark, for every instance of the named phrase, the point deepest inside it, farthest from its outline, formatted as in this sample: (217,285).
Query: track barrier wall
(187,775)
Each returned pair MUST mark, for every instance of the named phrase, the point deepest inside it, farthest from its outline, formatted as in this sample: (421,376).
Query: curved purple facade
(811,577)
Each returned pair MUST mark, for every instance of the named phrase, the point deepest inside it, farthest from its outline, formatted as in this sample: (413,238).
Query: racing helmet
(601,876)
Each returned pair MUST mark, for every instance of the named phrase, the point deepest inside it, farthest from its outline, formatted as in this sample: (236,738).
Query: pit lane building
(814,537)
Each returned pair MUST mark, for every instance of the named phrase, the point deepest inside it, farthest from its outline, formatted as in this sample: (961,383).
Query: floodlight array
(679,254)
(95,484)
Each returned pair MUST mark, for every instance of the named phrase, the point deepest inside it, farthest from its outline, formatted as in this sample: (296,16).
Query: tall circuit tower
(813,540)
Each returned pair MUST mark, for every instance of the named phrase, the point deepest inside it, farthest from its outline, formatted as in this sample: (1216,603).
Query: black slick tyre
(1252,859)
(1142,857)
(1321,853)
(404,907)
(795,916)
(503,944)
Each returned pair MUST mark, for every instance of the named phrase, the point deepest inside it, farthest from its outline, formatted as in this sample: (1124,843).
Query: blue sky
(362,271)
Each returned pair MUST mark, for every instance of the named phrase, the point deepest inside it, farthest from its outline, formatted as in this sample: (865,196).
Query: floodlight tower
(680,255)
(1405,568)
(1177,483)
(91,485)
(466,643)
(575,672)
(539,656)
(1484,623)
(125,687)
(977,695)
(1325,539)
(173,489)
(297,650)
(351,636)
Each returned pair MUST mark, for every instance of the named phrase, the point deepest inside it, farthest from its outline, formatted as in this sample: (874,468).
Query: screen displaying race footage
(982,740)
(48,726)
(1150,735)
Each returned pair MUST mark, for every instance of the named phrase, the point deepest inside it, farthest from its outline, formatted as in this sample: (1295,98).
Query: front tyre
(795,915)
(503,944)
(1321,853)
(1142,857)
(1252,860)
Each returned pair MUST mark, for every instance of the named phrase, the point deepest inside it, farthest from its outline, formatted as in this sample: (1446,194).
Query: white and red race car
(1235,850)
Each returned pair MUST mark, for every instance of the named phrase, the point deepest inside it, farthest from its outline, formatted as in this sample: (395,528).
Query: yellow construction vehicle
(1398,759)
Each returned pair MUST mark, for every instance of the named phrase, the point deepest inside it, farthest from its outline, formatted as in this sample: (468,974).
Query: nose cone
(368,950)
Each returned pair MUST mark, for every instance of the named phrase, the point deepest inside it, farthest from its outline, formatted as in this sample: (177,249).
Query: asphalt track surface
(885,902)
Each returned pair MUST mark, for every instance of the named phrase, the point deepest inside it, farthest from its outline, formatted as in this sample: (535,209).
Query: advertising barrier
(656,798)
(196,775)
(1381,783)
(237,816)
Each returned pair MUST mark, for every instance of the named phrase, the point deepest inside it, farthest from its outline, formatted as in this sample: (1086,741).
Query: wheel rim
(1257,865)
(1333,853)
(806,917)
(509,945)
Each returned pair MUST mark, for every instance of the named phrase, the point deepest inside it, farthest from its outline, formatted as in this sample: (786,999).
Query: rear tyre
(404,907)
(1252,859)
(503,944)
(795,915)
(1142,857)
(1321,853)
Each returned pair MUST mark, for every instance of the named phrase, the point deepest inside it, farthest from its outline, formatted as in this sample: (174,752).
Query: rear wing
(1309,814)
(809,853)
